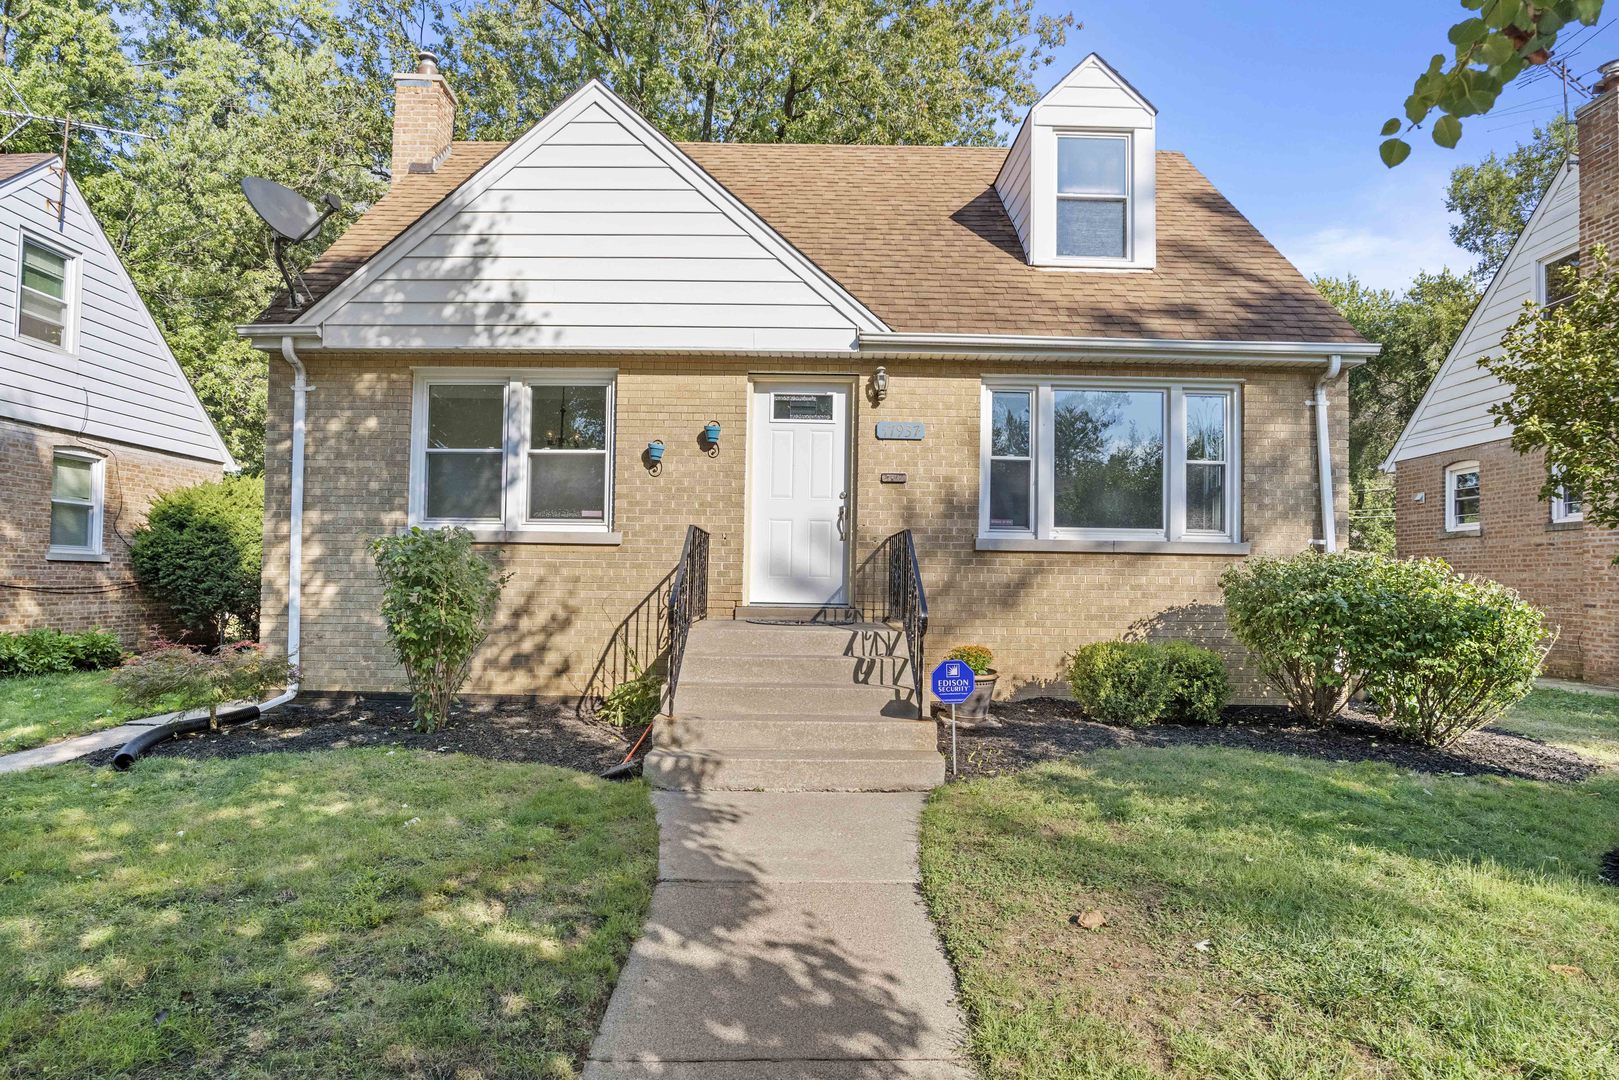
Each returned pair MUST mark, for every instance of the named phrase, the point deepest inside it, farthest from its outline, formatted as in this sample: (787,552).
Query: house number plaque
(892,477)
(906,430)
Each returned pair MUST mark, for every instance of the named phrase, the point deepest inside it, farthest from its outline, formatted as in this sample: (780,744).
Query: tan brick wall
(134,477)
(564,603)
(1565,569)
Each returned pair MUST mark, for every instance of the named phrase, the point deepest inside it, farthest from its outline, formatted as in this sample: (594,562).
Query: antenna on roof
(292,218)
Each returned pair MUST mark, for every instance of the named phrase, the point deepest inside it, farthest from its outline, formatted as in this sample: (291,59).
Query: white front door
(800,493)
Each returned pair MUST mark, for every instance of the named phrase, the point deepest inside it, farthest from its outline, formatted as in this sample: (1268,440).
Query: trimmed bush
(977,657)
(1457,652)
(438,596)
(49,652)
(1119,682)
(1308,621)
(200,553)
(1199,687)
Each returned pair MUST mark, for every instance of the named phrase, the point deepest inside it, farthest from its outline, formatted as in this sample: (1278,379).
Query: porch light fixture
(879,384)
(711,437)
(654,456)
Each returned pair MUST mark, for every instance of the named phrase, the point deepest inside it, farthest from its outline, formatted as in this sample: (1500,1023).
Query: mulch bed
(1044,729)
(548,734)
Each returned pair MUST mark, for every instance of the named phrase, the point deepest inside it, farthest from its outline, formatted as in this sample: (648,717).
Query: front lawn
(364,912)
(1587,724)
(1275,916)
(38,709)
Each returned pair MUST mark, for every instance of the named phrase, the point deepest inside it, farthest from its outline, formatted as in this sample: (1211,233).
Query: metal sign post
(953,683)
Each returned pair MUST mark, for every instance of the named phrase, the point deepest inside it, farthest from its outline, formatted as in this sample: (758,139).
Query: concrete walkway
(57,752)
(787,940)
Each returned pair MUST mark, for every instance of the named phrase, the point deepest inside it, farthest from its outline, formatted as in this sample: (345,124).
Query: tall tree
(1495,197)
(1416,328)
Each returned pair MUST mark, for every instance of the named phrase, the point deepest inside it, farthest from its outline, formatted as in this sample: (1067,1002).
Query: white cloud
(1384,234)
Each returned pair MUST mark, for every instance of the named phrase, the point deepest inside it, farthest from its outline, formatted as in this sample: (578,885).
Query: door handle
(843,515)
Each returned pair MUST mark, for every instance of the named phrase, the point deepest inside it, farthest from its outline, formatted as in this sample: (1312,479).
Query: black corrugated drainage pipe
(149,738)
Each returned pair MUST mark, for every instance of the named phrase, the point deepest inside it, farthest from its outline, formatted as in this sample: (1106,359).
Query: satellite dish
(291,217)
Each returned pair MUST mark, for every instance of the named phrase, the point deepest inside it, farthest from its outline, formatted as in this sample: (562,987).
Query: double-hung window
(1110,460)
(1093,197)
(1567,505)
(1558,277)
(518,452)
(1464,497)
(76,502)
(45,295)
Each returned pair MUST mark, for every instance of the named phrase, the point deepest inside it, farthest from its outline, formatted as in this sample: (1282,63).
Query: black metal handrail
(907,603)
(688,602)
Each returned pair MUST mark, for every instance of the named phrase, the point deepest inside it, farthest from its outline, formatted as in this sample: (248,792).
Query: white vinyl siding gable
(589,236)
(1455,412)
(114,377)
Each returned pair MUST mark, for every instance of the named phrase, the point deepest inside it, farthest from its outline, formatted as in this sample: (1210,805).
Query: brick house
(1461,492)
(96,418)
(1071,368)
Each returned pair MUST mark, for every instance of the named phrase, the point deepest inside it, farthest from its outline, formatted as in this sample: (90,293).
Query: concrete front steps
(776,706)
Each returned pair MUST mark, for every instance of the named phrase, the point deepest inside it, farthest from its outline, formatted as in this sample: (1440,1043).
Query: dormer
(1078,182)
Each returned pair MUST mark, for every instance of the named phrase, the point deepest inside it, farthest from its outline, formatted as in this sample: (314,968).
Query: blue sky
(1279,103)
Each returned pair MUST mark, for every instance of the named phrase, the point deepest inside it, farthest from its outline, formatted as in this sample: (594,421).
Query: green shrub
(1119,682)
(438,596)
(635,701)
(200,553)
(1199,687)
(1456,654)
(191,679)
(1309,621)
(977,657)
(48,652)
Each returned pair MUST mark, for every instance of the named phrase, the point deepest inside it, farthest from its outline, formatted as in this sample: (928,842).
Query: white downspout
(1323,454)
(295,524)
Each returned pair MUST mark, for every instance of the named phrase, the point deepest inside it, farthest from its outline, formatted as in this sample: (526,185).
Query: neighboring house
(96,418)
(1461,491)
(1081,377)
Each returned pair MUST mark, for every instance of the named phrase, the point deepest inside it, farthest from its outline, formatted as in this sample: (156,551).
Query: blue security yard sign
(953,682)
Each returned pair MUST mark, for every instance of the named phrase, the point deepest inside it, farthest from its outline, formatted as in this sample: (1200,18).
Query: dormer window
(1093,197)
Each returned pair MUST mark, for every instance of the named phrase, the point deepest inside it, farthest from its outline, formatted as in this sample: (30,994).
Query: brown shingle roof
(919,236)
(17,164)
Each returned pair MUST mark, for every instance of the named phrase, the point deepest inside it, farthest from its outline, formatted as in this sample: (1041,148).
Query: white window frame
(1561,514)
(1452,471)
(1541,272)
(1128,258)
(515,450)
(70,285)
(1044,531)
(96,502)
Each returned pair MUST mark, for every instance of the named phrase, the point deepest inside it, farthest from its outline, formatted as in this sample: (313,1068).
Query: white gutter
(1180,350)
(1323,453)
(295,524)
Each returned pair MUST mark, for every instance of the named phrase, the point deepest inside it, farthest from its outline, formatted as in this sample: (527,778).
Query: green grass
(39,709)
(1587,724)
(1356,920)
(349,913)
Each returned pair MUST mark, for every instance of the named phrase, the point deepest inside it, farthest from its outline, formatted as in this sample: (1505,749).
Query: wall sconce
(879,385)
(711,437)
(654,456)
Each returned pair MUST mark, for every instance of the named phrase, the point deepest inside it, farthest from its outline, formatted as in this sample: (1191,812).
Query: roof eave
(1179,350)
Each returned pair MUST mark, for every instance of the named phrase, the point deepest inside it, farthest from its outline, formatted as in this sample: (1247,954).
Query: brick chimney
(1599,166)
(424,119)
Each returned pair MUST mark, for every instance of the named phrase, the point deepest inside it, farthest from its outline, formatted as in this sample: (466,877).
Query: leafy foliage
(1562,363)
(978,657)
(1493,199)
(200,552)
(1457,654)
(634,702)
(185,678)
(438,597)
(1309,622)
(1119,682)
(1199,686)
(1417,329)
(1491,49)
(50,652)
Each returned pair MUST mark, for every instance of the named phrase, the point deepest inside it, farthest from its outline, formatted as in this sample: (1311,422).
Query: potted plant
(974,712)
